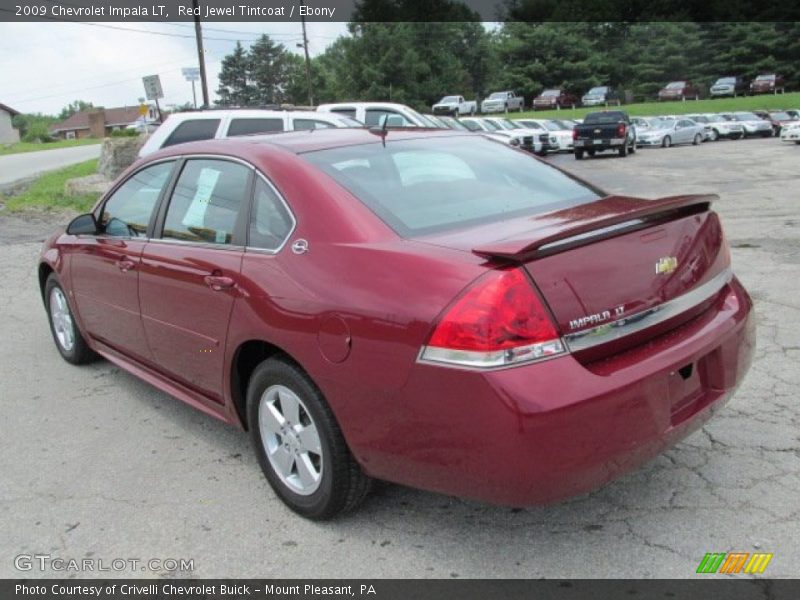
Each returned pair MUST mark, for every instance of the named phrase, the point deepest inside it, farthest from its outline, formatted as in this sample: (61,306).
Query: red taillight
(621,129)
(574,133)
(499,321)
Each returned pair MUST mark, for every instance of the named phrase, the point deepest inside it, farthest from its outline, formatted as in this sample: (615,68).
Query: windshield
(492,126)
(675,85)
(597,91)
(498,96)
(714,119)
(781,116)
(726,80)
(551,92)
(348,122)
(506,124)
(443,183)
(529,124)
(746,116)
(552,126)
(449,99)
(765,77)
(666,123)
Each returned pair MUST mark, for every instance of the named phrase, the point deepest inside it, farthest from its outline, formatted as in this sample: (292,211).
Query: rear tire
(69,341)
(578,154)
(299,444)
(714,135)
(623,152)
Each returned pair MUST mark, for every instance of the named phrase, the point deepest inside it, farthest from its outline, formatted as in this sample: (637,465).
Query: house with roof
(8,135)
(100,122)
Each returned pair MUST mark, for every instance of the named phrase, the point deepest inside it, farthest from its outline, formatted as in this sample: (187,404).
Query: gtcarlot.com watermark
(48,562)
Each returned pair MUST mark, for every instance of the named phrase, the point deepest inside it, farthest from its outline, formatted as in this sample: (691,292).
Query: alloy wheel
(291,440)
(63,325)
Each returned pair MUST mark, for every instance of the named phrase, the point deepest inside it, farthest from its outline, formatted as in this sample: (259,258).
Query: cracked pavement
(98,464)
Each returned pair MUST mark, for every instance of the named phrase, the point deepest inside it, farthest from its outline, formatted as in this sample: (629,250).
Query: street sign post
(192,74)
(153,91)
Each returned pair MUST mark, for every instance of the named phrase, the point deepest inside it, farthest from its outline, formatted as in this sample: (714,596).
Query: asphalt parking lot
(97,464)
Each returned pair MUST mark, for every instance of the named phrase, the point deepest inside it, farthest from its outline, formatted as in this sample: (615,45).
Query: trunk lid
(614,261)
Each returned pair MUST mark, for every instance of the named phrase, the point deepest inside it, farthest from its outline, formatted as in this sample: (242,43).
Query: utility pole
(308,60)
(198,32)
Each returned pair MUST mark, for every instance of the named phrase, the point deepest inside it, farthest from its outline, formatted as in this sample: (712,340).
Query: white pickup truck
(455,106)
(503,102)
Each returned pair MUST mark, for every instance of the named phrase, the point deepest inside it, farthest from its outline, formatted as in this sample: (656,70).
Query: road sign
(191,73)
(143,110)
(152,87)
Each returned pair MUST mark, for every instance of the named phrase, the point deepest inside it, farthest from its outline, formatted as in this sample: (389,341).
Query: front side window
(206,201)
(192,131)
(127,212)
(270,222)
(253,126)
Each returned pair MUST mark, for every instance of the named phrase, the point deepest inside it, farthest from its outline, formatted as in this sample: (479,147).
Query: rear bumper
(604,144)
(539,433)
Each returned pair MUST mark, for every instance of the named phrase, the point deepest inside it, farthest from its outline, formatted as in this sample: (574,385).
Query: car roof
(324,107)
(298,142)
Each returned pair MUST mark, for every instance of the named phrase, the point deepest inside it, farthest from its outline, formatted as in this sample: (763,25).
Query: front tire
(299,444)
(714,135)
(697,139)
(666,142)
(70,343)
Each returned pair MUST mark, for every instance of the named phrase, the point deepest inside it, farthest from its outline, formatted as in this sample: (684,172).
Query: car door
(190,269)
(104,268)
(687,130)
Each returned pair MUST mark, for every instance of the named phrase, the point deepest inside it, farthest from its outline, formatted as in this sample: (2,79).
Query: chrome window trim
(620,328)
(196,244)
(249,248)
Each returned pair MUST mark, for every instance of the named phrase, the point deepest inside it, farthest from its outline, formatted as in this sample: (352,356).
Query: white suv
(375,114)
(193,126)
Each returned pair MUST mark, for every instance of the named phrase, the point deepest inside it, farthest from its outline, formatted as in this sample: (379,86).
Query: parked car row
(539,136)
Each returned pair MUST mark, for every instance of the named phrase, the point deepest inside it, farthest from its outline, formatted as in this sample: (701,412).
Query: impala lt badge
(666,264)
(597,318)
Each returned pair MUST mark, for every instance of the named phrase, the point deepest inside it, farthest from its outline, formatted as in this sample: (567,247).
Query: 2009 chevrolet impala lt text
(433,309)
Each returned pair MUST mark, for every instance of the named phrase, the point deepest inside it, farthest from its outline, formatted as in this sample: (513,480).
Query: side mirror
(83,225)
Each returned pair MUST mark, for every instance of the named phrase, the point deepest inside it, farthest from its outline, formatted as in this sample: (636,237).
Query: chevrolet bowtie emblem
(666,264)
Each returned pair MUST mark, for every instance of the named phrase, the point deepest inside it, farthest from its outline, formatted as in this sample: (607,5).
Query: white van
(193,126)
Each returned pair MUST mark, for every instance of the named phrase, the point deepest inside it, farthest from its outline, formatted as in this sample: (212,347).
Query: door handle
(125,265)
(219,282)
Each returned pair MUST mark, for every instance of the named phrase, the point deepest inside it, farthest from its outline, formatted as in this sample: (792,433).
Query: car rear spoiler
(589,223)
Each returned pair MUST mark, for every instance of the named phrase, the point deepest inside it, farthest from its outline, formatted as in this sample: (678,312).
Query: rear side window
(127,212)
(253,126)
(438,184)
(348,112)
(270,222)
(373,117)
(206,201)
(305,124)
(193,131)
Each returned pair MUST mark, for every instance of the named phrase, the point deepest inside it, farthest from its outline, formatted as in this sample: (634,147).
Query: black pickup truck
(604,130)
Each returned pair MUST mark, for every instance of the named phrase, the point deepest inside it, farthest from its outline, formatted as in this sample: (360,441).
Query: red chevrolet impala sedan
(434,309)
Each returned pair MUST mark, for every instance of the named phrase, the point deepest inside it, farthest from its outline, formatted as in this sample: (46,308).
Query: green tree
(74,107)
(234,86)
(268,70)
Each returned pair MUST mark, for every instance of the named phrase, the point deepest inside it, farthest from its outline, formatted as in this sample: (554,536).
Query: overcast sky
(44,66)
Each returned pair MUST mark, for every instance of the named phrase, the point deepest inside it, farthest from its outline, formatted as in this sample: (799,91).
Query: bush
(124,133)
(37,132)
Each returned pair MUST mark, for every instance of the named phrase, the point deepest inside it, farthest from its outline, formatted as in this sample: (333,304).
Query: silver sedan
(671,132)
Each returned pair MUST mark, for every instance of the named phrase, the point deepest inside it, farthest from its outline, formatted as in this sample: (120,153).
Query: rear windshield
(603,117)
(439,184)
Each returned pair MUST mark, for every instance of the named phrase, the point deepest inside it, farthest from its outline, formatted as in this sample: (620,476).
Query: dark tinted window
(270,222)
(206,201)
(193,131)
(350,112)
(436,184)
(599,118)
(303,124)
(127,212)
(373,117)
(252,126)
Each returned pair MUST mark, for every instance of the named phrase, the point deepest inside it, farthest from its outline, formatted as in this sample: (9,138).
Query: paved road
(15,167)
(96,463)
